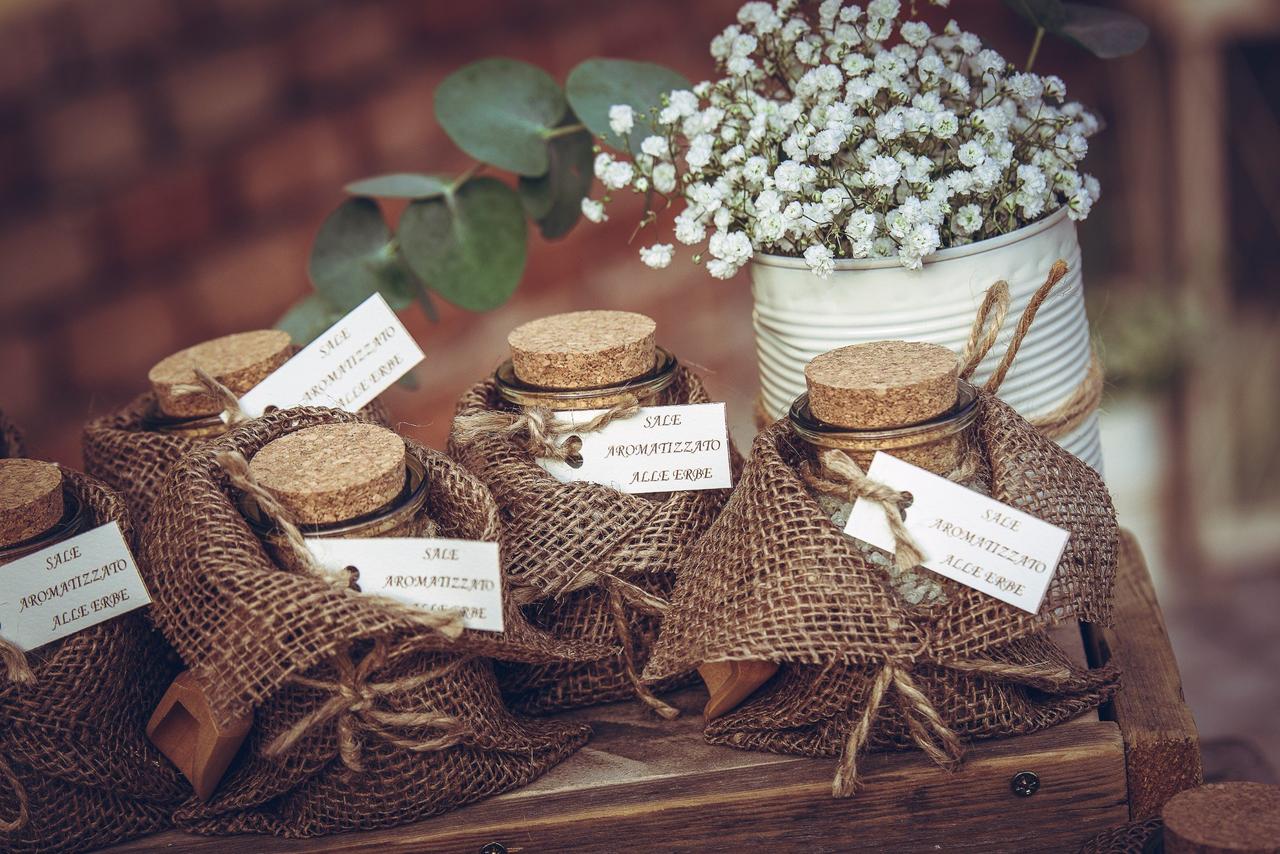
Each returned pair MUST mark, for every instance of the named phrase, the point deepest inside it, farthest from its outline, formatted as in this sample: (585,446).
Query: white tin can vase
(798,316)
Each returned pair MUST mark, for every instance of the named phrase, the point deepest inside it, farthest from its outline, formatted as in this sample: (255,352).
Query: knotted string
(20,792)
(622,625)
(928,730)
(541,428)
(354,703)
(236,467)
(219,392)
(845,479)
(14,660)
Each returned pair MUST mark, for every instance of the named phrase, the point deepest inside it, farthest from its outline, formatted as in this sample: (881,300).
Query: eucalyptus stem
(563,130)
(466,176)
(1035,48)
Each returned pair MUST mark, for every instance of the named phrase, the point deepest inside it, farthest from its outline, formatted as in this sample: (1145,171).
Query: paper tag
(353,362)
(965,535)
(659,449)
(77,583)
(430,573)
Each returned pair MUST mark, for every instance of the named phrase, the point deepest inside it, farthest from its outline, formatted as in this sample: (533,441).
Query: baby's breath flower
(593,210)
(654,146)
(820,260)
(621,119)
(658,255)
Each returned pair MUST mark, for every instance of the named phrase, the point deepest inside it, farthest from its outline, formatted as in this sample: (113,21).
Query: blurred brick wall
(164,165)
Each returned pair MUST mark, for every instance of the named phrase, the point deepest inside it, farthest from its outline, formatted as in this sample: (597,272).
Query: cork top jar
(35,510)
(585,360)
(341,480)
(902,397)
(238,361)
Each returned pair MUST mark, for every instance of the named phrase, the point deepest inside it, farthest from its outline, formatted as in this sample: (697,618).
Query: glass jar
(645,388)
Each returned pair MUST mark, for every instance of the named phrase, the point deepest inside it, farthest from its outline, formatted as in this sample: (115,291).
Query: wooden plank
(1162,745)
(659,786)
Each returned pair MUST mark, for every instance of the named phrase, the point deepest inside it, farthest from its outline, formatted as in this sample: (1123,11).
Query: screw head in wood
(494,848)
(1025,783)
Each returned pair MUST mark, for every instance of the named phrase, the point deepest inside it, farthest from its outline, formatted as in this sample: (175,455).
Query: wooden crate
(643,784)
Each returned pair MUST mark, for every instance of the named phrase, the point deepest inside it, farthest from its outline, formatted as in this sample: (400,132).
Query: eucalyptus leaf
(469,247)
(554,200)
(307,318)
(410,380)
(1106,33)
(1046,14)
(499,111)
(354,256)
(401,185)
(597,84)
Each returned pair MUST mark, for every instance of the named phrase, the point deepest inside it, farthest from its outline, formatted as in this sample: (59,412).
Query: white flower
(819,259)
(915,33)
(602,163)
(617,175)
(658,255)
(688,230)
(684,102)
(827,143)
(788,176)
(835,199)
(945,124)
(699,153)
(593,210)
(861,225)
(732,246)
(971,154)
(882,171)
(755,169)
(722,269)
(654,146)
(621,119)
(664,177)
(967,219)
(891,124)
(1079,205)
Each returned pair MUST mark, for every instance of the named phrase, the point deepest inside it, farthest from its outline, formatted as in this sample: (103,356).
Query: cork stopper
(583,349)
(882,384)
(30,499)
(1218,817)
(239,362)
(332,473)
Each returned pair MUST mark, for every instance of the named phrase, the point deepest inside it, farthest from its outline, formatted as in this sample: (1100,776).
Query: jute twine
(20,820)
(543,435)
(354,697)
(843,477)
(210,386)
(355,706)
(1064,418)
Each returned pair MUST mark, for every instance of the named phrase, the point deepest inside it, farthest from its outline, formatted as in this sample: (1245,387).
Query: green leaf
(554,200)
(401,185)
(499,111)
(469,247)
(1046,14)
(308,318)
(410,380)
(597,84)
(1106,33)
(354,256)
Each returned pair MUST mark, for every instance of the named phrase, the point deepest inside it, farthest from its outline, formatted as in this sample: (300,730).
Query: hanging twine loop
(236,467)
(355,703)
(208,385)
(20,820)
(540,429)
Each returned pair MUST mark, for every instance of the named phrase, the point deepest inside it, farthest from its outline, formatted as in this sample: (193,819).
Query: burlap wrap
(1136,837)
(11,444)
(382,721)
(774,579)
(133,459)
(553,533)
(74,738)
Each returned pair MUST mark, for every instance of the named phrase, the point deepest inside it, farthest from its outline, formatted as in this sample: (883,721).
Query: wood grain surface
(1162,745)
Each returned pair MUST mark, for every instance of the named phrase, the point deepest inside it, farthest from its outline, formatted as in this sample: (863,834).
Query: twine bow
(844,478)
(541,428)
(15,663)
(354,703)
(211,387)
(20,792)
(927,729)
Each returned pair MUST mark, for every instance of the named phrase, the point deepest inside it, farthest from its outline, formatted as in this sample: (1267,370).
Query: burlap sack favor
(76,769)
(774,579)
(366,714)
(127,452)
(11,444)
(586,561)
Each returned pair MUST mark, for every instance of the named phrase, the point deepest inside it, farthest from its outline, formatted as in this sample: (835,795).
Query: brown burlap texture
(75,737)
(11,444)
(774,579)
(1136,837)
(132,458)
(384,721)
(554,532)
